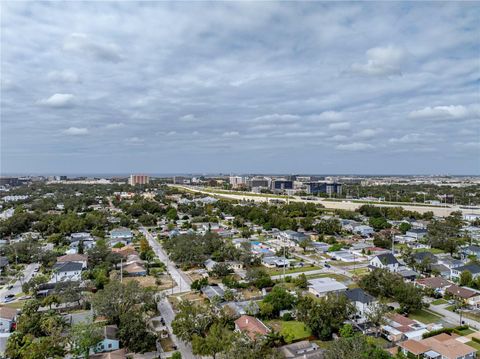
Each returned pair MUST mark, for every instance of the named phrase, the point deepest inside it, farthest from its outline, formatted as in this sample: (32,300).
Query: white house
(416,233)
(67,271)
(385,261)
(77,258)
(363,302)
(7,318)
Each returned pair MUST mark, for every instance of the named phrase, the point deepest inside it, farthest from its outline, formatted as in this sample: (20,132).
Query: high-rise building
(281,184)
(323,187)
(138,179)
(236,181)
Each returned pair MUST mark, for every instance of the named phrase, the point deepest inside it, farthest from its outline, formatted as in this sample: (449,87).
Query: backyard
(291,330)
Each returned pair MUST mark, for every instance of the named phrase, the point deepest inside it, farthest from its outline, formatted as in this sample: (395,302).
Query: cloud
(340,126)
(112,126)
(441,112)
(327,116)
(135,140)
(368,133)
(382,61)
(355,146)
(82,44)
(67,76)
(230,134)
(59,100)
(188,118)
(408,138)
(76,131)
(276,118)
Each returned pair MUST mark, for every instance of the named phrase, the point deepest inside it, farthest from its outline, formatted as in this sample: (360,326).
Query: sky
(239,87)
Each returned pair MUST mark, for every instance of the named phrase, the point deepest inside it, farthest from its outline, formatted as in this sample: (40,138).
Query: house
(290,235)
(471,251)
(424,256)
(468,295)
(275,262)
(344,256)
(321,247)
(251,326)
(67,271)
(399,327)
(322,286)
(234,265)
(120,235)
(8,317)
(441,346)
(248,307)
(416,233)
(437,284)
(363,230)
(301,350)
(210,264)
(385,261)
(77,258)
(213,291)
(3,263)
(135,269)
(473,268)
(109,342)
(116,354)
(363,302)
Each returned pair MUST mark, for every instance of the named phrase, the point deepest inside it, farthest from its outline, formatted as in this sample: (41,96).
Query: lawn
(359,272)
(346,264)
(439,301)
(338,277)
(275,271)
(431,250)
(474,344)
(465,331)
(291,330)
(424,316)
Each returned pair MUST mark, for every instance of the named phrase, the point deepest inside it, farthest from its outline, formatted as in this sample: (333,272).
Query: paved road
(28,272)
(348,205)
(164,306)
(452,317)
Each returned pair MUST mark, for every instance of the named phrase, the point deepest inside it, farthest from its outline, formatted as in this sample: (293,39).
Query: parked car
(9,298)
(10,287)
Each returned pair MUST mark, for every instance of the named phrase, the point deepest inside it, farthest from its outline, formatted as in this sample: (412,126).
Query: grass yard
(339,277)
(15,305)
(275,271)
(439,301)
(359,272)
(474,344)
(291,330)
(424,316)
(346,264)
(431,250)
(466,331)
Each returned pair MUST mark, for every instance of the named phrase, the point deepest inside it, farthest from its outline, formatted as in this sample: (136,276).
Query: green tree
(280,299)
(466,278)
(133,332)
(192,320)
(82,336)
(216,341)
(346,331)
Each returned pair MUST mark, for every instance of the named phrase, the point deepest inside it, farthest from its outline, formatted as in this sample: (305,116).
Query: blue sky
(311,87)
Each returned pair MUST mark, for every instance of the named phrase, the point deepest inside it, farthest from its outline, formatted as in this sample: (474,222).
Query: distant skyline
(240,87)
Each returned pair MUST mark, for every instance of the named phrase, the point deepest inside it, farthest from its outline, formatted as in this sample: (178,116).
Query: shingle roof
(72,258)
(472,268)
(252,326)
(359,295)
(387,258)
(67,267)
(435,282)
(461,292)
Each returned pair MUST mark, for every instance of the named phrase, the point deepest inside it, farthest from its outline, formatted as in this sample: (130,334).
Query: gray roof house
(474,269)
(212,291)
(301,350)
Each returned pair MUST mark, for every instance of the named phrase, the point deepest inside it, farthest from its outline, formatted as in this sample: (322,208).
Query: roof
(387,258)
(420,256)
(8,313)
(116,354)
(125,251)
(472,268)
(359,295)
(414,346)
(251,326)
(448,346)
(72,258)
(324,285)
(461,292)
(434,282)
(212,291)
(303,349)
(472,248)
(68,267)
(134,267)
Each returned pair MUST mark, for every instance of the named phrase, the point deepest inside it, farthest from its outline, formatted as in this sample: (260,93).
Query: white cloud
(338,138)
(82,44)
(340,126)
(355,146)
(327,116)
(58,100)
(188,118)
(275,117)
(112,126)
(64,76)
(76,131)
(230,134)
(135,140)
(441,112)
(408,138)
(382,61)
(368,133)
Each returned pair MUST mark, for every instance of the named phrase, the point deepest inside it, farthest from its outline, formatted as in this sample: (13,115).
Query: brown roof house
(251,326)
(76,258)
(441,346)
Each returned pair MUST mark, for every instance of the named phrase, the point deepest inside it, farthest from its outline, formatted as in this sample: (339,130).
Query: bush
(287,317)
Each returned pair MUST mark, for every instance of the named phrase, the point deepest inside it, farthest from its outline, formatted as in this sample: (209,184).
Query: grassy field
(346,264)
(424,316)
(359,272)
(291,330)
(431,250)
(466,331)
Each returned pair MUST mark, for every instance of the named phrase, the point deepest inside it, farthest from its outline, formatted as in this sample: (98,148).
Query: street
(28,272)
(452,317)
(164,306)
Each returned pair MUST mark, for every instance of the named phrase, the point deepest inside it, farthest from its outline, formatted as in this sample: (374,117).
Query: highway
(345,204)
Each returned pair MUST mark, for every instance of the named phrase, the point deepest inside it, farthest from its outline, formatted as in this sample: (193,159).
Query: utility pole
(121,270)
